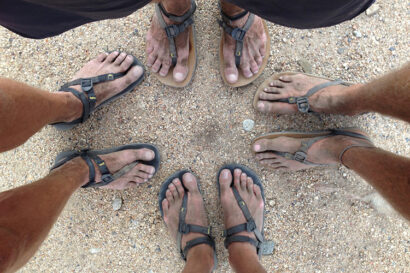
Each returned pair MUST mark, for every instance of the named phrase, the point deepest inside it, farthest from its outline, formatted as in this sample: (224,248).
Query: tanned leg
(254,45)
(392,178)
(242,256)
(24,109)
(388,95)
(27,213)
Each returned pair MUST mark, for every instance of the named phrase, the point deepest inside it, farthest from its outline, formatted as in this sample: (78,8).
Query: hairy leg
(392,179)
(24,110)
(27,213)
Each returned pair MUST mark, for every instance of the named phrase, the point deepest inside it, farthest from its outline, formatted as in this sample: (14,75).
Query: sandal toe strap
(237,33)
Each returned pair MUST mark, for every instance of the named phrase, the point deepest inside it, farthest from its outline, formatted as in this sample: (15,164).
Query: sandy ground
(322,220)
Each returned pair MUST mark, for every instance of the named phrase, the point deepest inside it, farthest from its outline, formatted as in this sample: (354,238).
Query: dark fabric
(45,18)
(305,13)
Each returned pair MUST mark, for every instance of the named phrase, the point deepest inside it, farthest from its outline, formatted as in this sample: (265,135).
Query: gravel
(200,127)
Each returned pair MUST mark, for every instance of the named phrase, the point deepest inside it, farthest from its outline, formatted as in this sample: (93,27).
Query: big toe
(180,73)
(225,180)
(231,74)
(189,181)
(145,154)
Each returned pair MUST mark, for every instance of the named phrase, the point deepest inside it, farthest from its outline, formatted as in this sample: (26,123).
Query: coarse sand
(321,220)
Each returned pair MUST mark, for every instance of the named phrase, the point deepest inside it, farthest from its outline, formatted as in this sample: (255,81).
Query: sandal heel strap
(84,155)
(176,18)
(243,239)
(201,240)
(226,17)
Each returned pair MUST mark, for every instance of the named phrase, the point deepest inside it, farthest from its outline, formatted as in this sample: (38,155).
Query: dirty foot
(324,151)
(114,62)
(116,161)
(254,50)
(196,214)
(251,195)
(327,100)
(158,54)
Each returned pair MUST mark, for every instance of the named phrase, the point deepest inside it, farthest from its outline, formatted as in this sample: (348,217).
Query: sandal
(172,31)
(262,247)
(88,97)
(238,34)
(302,102)
(183,227)
(106,176)
(301,154)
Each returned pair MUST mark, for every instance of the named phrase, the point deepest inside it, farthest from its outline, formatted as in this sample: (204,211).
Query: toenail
(225,174)
(232,78)
(179,76)
(266,89)
(260,105)
(257,147)
(137,70)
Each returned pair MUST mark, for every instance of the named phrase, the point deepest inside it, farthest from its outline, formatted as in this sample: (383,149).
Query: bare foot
(196,214)
(324,151)
(324,101)
(115,161)
(254,50)
(158,47)
(104,64)
(251,195)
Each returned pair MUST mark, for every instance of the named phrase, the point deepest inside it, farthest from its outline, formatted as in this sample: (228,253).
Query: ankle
(200,257)
(230,9)
(76,171)
(71,105)
(176,7)
(243,257)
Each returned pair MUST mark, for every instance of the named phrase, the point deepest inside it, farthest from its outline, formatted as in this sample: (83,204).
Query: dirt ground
(321,220)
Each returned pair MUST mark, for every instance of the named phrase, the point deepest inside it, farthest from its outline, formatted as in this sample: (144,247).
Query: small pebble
(344,174)
(357,33)
(95,250)
(267,247)
(340,50)
(373,9)
(117,203)
(392,48)
(306,66)
(248,124)
(271,203)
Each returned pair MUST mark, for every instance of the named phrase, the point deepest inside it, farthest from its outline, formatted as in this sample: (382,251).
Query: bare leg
(388,173)
(27,213)
(200,257)
(392,179)
(242,256)
(254,45)
(158,56)
(24,109)
(388,95)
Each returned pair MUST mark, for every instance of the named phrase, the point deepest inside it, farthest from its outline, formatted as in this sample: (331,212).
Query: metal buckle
(86,84)
(303,104)
(250,226)
(238,34)
(300,156)
(172,31)
(183,228)
(107,178)
(110,77)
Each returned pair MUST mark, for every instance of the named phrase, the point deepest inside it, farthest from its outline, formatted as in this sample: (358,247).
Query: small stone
(392,48)
(340,50)
(373,9)
(95,250)
(267,247)
(272,203)
(344,174)
(117,203)
(284,40)
(248,124)
(357,33)
(306,66)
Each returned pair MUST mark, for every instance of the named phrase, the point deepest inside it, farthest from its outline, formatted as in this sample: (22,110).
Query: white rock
(95,250)
(373,9)
(357,33)
(248,125)
(117,203)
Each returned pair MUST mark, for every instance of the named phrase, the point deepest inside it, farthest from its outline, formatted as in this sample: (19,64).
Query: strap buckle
(86,84)
(107,178)
(238,34)
(300,157)
(303,104)
(183,228)
(172,31)
(250,225)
